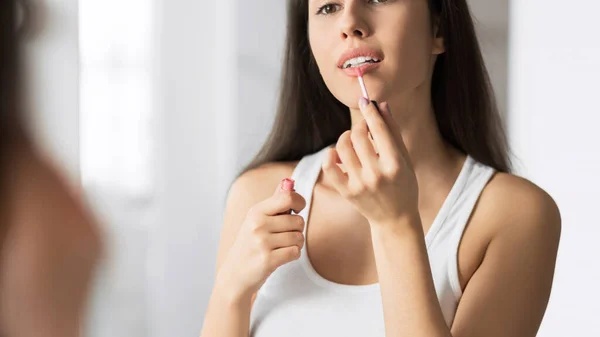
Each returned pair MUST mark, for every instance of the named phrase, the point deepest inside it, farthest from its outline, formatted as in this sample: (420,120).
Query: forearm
(228,314)
(410,303)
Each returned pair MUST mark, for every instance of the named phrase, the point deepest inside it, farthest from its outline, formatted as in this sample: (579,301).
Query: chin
(349,92)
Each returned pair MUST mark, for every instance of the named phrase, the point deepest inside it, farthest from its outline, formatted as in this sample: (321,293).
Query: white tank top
(296,301)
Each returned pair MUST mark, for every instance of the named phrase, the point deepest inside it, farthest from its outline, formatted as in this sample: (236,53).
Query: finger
(285,223)
(282,202)
(382,136)
(284,255)
(345,151)
(372,142)
(386,113)
(363,147)
(338,179)
(287,239)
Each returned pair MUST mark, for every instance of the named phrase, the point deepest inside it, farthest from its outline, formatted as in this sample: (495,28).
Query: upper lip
(357,52)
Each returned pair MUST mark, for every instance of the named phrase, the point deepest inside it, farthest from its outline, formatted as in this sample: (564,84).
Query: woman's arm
(410,303)
(507,295)
(228,313)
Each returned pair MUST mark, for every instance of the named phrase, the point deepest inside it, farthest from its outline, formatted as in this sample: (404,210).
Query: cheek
(319,45)
(409,53)
(323,49)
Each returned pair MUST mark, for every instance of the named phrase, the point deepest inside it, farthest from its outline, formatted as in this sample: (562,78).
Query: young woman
(410,223)
(49,244)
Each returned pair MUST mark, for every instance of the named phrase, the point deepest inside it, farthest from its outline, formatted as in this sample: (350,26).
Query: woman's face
(395,37)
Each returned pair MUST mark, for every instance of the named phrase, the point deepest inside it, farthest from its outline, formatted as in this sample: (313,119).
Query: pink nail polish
(363,103)
(288,184)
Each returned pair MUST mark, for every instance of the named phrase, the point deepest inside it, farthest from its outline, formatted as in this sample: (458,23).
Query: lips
(363,55)
(364,69)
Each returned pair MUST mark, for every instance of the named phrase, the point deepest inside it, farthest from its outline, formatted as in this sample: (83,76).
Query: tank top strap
(463,209)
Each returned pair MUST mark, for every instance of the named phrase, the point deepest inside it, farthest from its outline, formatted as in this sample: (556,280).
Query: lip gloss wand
(363,88)
(361,81)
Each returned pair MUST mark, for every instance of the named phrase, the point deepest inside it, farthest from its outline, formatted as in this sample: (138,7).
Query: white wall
(259,55)
(53,79)
(117,150)
(217,95)
(158,271)
(491,23)
(195,136)
(554,118)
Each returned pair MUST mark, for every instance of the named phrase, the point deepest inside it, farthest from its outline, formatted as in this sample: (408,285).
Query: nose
(352,24)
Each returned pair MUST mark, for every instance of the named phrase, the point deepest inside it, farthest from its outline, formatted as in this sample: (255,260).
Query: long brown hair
(310,118)
(12,130)
(9,65)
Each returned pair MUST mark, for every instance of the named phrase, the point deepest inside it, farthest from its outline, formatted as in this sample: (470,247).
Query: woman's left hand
(382,187)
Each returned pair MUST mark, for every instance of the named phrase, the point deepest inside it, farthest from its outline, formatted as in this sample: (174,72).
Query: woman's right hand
(268,238)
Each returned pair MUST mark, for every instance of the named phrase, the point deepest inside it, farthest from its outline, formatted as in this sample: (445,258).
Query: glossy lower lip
(365,69)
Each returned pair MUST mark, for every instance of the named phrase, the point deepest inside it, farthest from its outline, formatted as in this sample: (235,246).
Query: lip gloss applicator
(363,88)
(361,81)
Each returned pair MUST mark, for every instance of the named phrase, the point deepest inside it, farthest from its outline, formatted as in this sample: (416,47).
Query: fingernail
(375,104)
(363,103)
(287,184)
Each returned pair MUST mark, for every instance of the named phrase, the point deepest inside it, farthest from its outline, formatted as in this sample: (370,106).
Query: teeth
(358,61)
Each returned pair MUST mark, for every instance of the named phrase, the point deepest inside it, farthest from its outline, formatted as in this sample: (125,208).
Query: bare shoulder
(512,216)
(259,183)
(516,205)
(516,262)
